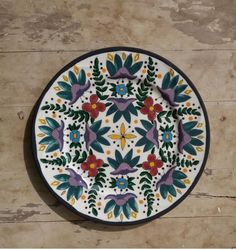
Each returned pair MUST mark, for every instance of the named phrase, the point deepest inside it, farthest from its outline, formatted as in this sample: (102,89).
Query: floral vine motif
(55,131)
(171,92)
(127,70)
(75,89)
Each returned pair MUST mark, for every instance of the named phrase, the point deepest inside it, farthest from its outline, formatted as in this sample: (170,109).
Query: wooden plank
(165,232)
(25,198)
(22,83)
(84,25)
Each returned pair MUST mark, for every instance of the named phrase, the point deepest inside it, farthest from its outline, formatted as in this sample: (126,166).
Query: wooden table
(38,37)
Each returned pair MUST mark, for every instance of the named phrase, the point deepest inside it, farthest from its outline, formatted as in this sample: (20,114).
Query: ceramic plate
(120,135)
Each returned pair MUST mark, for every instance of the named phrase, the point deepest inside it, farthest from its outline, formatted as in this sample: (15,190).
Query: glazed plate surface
(120,135)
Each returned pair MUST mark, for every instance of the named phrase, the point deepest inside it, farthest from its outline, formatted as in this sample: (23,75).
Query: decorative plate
(120,135)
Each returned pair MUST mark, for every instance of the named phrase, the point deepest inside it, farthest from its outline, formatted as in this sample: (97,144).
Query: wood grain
(37,38)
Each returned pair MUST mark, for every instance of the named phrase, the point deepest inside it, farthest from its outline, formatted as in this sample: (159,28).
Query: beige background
(38,37)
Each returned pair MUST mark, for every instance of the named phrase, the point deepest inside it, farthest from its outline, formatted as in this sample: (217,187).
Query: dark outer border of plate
(128,49)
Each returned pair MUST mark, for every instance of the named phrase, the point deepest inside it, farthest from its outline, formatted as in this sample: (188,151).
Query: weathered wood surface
(38,37)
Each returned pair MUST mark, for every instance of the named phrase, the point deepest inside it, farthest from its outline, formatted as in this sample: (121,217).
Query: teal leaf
(179,183)
(141,142)
(109,206)
(118,156)
(127,116)
(133,204)
(78,191)
(178,174)
(189,148)
(171,190)
(118,62)
(65,95)
(135,68)
(52,146)
(63,186)
(141,131)
(52,123)
(96,125)
(128,156)
(72,78)
(126,210)
(46,140)
(70,193)
(128,61)
(134,161)
(45,129)
(117,210)
(195,132)
(148,146)
(62,177)
(133,110)
(103,130)
(180,89)
(196,142)
(147,125)
(163,191)
(113,163)
(174,81)
(181,98)
(82,77)
(102,140)
(117,116)
(166,81)
(111,68)
(96,146)
(111,109)
(188,126)
(64,86)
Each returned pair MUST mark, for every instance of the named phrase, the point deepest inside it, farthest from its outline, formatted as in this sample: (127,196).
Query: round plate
(120,135)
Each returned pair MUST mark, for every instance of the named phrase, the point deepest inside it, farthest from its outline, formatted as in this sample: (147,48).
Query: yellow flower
(122,136)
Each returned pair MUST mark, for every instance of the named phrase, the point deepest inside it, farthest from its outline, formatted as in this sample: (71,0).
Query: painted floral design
(75,89)
(91,165)
(149,135)
(121,139)
(118,69)
(94,107)
(72,183)
(54,135)
(121,203)
(150,109)
(122,107)
(122,136)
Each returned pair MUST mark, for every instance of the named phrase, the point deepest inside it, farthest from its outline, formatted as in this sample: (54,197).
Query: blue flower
(167,136)
(75,136)
(121,183)
(121,89)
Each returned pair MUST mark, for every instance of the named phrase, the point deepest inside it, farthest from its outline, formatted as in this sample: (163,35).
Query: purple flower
(122,104)
(89,136)
(76,180)
(152,135)
(58,134)
(123,169)
(166,179)
(184,137)
(168,95)
(121,199)
(77,91)
(123,73)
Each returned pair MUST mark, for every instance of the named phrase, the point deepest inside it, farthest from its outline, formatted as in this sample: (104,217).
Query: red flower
(94,107)
(150,109)
(152,164)
(92,164)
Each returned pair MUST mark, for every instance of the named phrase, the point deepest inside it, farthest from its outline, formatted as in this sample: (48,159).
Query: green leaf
(180,89)
(134,161)
(141,142)
(145,173)
(135,68)
(111,109)
(96,146)
(141,131)
(111,68)
(196,142)
(63,186)
(163,191)
(128,61)
(133,204)
(147,125)
(113,163)
(148,146)
(72,78)
(179,183)
(128,156)
(145,180)
(96,125)
(45,129)
(171,190)
(127,116)
(109,206)
(65,95)
(118,62)
(64,86)
(195,132)
(52,146)
(166,81)
(188,126)
(103,140)
(46,140)
(62,177)
(52,123)
(95,212)
(70,193)
(118,156)
(190,149)
(174,81)
(82,77)
(117,210)
(117,116)
(181,98)
(178,174)
(78,191)
(126,210)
